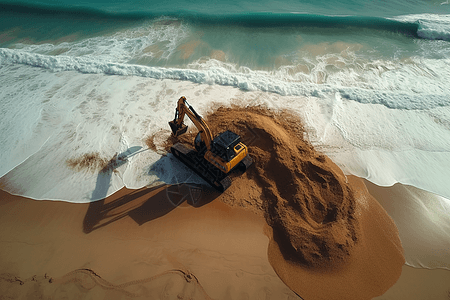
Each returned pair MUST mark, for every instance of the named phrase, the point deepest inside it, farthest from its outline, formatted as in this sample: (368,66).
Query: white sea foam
(431,26)
(394,106)
(157,39)
(89,113)
(394,89)
(85,113)
(383,145)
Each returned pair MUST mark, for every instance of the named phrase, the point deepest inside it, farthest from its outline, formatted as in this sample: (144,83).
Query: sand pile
(305,197)
(329,238)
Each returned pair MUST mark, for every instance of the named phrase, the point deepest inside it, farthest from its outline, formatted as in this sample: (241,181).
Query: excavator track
(246,163)
(201,166)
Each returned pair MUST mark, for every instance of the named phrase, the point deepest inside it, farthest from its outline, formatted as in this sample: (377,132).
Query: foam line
(430,26)
(250,81)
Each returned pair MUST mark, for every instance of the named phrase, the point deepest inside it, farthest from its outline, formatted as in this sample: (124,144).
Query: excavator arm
(222,154)
(178,127)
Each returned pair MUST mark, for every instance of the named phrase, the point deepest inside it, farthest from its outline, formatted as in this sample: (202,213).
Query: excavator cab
(224,145)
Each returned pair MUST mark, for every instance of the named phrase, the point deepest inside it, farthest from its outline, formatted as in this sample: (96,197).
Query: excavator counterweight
(213,158)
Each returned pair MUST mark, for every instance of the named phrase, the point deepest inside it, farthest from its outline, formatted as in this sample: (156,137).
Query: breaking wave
(425,26)
(243,78)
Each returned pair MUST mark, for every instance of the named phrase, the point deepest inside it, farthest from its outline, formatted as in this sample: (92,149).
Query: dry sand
(323,234)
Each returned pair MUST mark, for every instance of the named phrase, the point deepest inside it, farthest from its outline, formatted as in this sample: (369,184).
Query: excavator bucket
(177,129)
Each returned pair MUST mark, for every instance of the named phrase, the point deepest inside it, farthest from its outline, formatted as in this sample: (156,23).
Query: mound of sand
(305,197)
(320,224)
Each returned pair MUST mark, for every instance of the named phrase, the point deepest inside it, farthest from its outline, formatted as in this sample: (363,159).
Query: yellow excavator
(213,158)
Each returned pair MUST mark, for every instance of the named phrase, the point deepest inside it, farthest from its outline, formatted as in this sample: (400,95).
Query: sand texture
(322,226)
(292,224)
(305,197)
(374,264)
(134,245)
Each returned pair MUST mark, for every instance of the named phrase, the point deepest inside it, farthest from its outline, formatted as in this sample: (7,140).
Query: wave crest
(248,81)
(426,26)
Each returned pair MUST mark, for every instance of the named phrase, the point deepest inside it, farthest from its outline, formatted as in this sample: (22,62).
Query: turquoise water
(252,34)
(370,79)
(377,8)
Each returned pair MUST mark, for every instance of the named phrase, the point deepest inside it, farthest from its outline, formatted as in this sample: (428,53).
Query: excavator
(213,158)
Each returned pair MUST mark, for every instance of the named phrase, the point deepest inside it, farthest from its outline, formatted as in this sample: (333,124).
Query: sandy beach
(292,226)
(186,252)
(45,253)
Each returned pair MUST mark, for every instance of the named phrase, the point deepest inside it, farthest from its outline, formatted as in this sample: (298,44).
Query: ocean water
(370,79)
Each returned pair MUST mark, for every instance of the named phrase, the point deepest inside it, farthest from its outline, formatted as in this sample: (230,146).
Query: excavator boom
(178,127)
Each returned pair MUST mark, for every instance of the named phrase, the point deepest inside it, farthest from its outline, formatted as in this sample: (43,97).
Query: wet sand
(422,219)
(370,270)
(140,247)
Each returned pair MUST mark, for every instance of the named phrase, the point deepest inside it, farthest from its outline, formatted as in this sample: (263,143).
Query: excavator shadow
(171,197)
(145,204)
